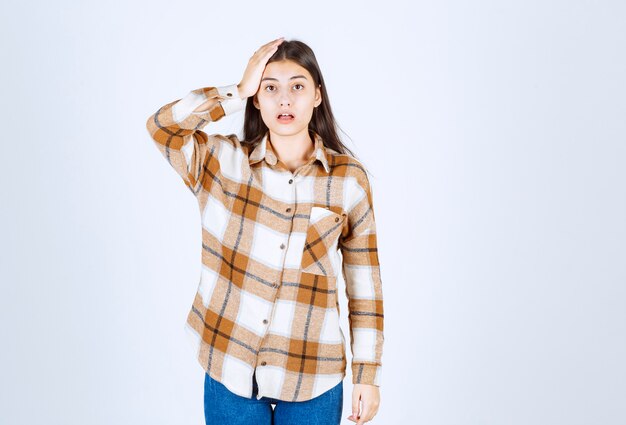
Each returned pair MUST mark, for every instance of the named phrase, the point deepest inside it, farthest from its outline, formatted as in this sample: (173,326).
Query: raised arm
(176,128)
(361,272)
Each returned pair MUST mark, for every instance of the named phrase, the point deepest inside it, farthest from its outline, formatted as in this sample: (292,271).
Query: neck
(292,148)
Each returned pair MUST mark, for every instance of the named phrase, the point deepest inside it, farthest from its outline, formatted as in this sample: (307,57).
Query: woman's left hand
(369,396)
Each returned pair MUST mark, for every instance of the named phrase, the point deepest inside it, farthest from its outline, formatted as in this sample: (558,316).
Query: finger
(373,411)
(369,414)
(355,404)
(266,45)
(262,55)
(271,48)
(365,416)
(274,41)
(270,45)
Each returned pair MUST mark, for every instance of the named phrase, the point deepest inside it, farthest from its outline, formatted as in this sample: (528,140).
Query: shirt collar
(263,150)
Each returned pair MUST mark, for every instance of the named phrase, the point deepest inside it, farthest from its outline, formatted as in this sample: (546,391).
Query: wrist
(242,93)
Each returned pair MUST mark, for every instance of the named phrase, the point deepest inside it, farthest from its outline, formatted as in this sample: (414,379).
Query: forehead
(283,70)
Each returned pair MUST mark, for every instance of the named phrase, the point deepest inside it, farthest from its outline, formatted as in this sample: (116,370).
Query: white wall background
(496,136)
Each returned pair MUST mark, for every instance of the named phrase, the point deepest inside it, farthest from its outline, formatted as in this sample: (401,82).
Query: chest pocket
(320,245)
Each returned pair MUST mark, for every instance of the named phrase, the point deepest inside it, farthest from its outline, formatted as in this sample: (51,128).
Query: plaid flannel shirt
(266,302)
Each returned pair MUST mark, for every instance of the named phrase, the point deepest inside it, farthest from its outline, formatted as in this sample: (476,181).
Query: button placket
(288,209)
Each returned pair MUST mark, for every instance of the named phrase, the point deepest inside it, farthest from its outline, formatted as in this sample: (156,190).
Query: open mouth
(285,117)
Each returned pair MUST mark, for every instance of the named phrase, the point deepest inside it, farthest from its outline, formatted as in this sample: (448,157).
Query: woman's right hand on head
(256,65)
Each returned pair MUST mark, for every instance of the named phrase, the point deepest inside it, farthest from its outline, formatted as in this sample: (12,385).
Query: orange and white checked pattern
(271,241)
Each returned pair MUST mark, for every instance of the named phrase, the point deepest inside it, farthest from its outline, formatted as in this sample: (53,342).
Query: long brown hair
(322,122)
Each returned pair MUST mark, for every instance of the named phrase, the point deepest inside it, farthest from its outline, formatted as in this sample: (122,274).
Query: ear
(255,102)
(318,95)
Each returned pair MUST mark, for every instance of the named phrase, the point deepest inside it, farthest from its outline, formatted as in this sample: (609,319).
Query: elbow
(151,125)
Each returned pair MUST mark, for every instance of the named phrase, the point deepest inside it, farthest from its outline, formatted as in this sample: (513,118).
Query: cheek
(309,102)
(308,108)
(264,107)
(267,114)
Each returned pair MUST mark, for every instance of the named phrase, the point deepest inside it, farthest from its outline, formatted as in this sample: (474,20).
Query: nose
(285,100)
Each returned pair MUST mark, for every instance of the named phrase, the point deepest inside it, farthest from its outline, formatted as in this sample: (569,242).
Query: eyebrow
(275,79)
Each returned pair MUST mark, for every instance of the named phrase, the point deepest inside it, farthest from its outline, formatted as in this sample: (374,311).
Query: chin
(286,130)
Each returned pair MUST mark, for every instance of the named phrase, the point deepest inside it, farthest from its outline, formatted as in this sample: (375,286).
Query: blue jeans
(222,407)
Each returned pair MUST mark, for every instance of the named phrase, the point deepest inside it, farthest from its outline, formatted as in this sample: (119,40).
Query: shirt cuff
(363,373)
(232,101)
(185,106)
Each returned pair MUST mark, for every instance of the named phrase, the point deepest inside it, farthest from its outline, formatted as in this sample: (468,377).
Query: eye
(268,86)
(299,85)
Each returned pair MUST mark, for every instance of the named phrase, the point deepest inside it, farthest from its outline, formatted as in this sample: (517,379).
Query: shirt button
(290,181)
(263,363)
(265,321)
(229,94)
(282,246)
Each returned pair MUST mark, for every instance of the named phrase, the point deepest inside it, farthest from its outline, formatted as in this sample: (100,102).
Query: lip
(285,120)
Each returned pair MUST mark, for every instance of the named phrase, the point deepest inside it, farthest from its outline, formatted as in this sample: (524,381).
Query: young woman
(276,209)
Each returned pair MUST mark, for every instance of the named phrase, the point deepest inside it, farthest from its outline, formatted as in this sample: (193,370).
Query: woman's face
(287,88)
